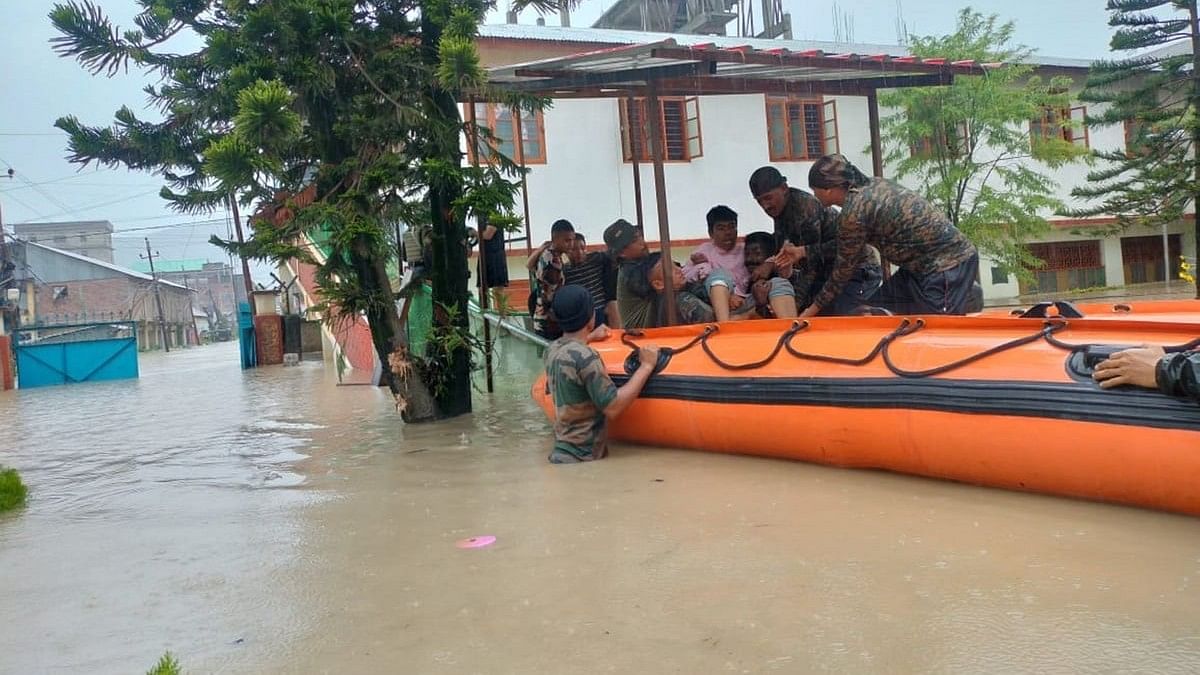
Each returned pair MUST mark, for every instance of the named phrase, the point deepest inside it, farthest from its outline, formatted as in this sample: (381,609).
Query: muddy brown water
(271,521)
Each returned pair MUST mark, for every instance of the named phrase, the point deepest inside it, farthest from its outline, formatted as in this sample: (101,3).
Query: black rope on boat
(664,353)
(1046,333)
(1170,349)
(906,327)
(797,326)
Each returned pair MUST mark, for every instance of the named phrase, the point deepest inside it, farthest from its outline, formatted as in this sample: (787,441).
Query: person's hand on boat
(648,357)
(1135,367)
(736,301)
(811,310)
(598,334)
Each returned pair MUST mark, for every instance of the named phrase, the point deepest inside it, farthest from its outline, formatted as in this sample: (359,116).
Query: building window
(1068,124)
(679,124)
(999,276)
(951,141)
(1143,259)
(501,122)
(801,129)
(1067,265)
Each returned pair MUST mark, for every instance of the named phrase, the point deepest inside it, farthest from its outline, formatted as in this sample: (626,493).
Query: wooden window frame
(693,141)
(490,122)
(1051,125)
(827,121)
(925,147)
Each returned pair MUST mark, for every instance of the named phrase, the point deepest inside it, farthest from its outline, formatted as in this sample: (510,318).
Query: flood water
(272,521)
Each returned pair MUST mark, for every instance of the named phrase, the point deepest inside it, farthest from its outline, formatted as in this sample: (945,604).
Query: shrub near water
(12,490)
(167,665)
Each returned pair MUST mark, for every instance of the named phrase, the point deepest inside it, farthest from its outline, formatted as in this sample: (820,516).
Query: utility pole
(192,310)
(4,268)
(162,321)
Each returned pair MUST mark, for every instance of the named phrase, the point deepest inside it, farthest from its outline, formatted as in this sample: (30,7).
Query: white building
(579,158)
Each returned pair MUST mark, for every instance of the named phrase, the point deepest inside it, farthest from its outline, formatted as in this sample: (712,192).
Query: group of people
(819,261)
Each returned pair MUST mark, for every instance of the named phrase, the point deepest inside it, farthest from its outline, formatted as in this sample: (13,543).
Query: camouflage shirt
(581,389)
(549,279)
(805,222)
(909,232)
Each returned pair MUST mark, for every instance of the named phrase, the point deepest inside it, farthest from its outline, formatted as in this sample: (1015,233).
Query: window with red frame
(1068,124)
(800,129)
(679,122)
(501,122)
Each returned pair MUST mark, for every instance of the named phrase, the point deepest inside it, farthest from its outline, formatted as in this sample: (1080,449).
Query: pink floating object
(476,542)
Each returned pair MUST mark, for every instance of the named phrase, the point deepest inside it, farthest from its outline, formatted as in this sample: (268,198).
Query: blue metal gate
(86,354)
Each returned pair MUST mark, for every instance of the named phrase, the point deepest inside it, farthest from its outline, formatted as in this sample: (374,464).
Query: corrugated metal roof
(710,68)
(627,37)
(125,271)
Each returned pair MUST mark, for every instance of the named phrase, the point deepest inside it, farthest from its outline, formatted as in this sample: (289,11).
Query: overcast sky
(37,87)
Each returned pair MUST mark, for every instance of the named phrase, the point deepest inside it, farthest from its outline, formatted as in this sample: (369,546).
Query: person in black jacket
(1174,374)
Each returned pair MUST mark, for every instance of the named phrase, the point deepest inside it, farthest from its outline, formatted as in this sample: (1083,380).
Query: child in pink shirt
(720,264)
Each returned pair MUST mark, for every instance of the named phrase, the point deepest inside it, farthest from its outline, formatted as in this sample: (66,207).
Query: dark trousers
(947,292)
(857,294)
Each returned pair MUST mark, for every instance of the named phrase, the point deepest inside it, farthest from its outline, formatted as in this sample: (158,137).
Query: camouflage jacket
(805,222)
(549,277)
(909,232)
(581,390)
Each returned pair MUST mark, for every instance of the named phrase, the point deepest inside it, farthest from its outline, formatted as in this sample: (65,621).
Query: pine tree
(1155,92)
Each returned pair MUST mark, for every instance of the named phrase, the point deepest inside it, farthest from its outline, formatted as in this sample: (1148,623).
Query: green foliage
(167,665)
(13,492)
(1153,180)
(349,103)
(448,335)
(970,146)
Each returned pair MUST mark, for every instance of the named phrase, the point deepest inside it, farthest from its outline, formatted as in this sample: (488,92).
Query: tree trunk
(387,334)
(1194,23)
(449,272)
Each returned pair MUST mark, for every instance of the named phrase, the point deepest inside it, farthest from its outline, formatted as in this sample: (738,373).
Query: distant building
(62,287)
(215,283)
(91,238)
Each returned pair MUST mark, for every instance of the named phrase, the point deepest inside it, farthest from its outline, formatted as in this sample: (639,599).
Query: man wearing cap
(585,397)
(807,231)
(635,303)
(640,282)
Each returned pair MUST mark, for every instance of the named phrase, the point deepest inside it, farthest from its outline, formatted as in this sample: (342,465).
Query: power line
(90,207)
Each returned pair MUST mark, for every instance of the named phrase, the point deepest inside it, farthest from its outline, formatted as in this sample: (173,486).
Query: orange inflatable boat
(1140,310)
(988,400)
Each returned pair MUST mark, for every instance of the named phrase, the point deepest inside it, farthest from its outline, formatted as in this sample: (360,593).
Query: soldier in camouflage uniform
(689,308)
(809,231)
(938,265)
(585,397)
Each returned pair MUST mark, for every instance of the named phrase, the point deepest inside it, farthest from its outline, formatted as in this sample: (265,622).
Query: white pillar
(1114,263)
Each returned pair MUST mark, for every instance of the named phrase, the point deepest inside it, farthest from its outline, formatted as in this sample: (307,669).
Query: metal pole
(660,195)
(162,321)
(237,226)
(481,225)
(524,184)
(876,143)
(637,171)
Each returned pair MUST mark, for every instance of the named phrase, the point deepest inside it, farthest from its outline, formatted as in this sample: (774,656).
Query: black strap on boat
(796,327)
(1047,330)
(634,360)
(1091,353)
(906,327)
